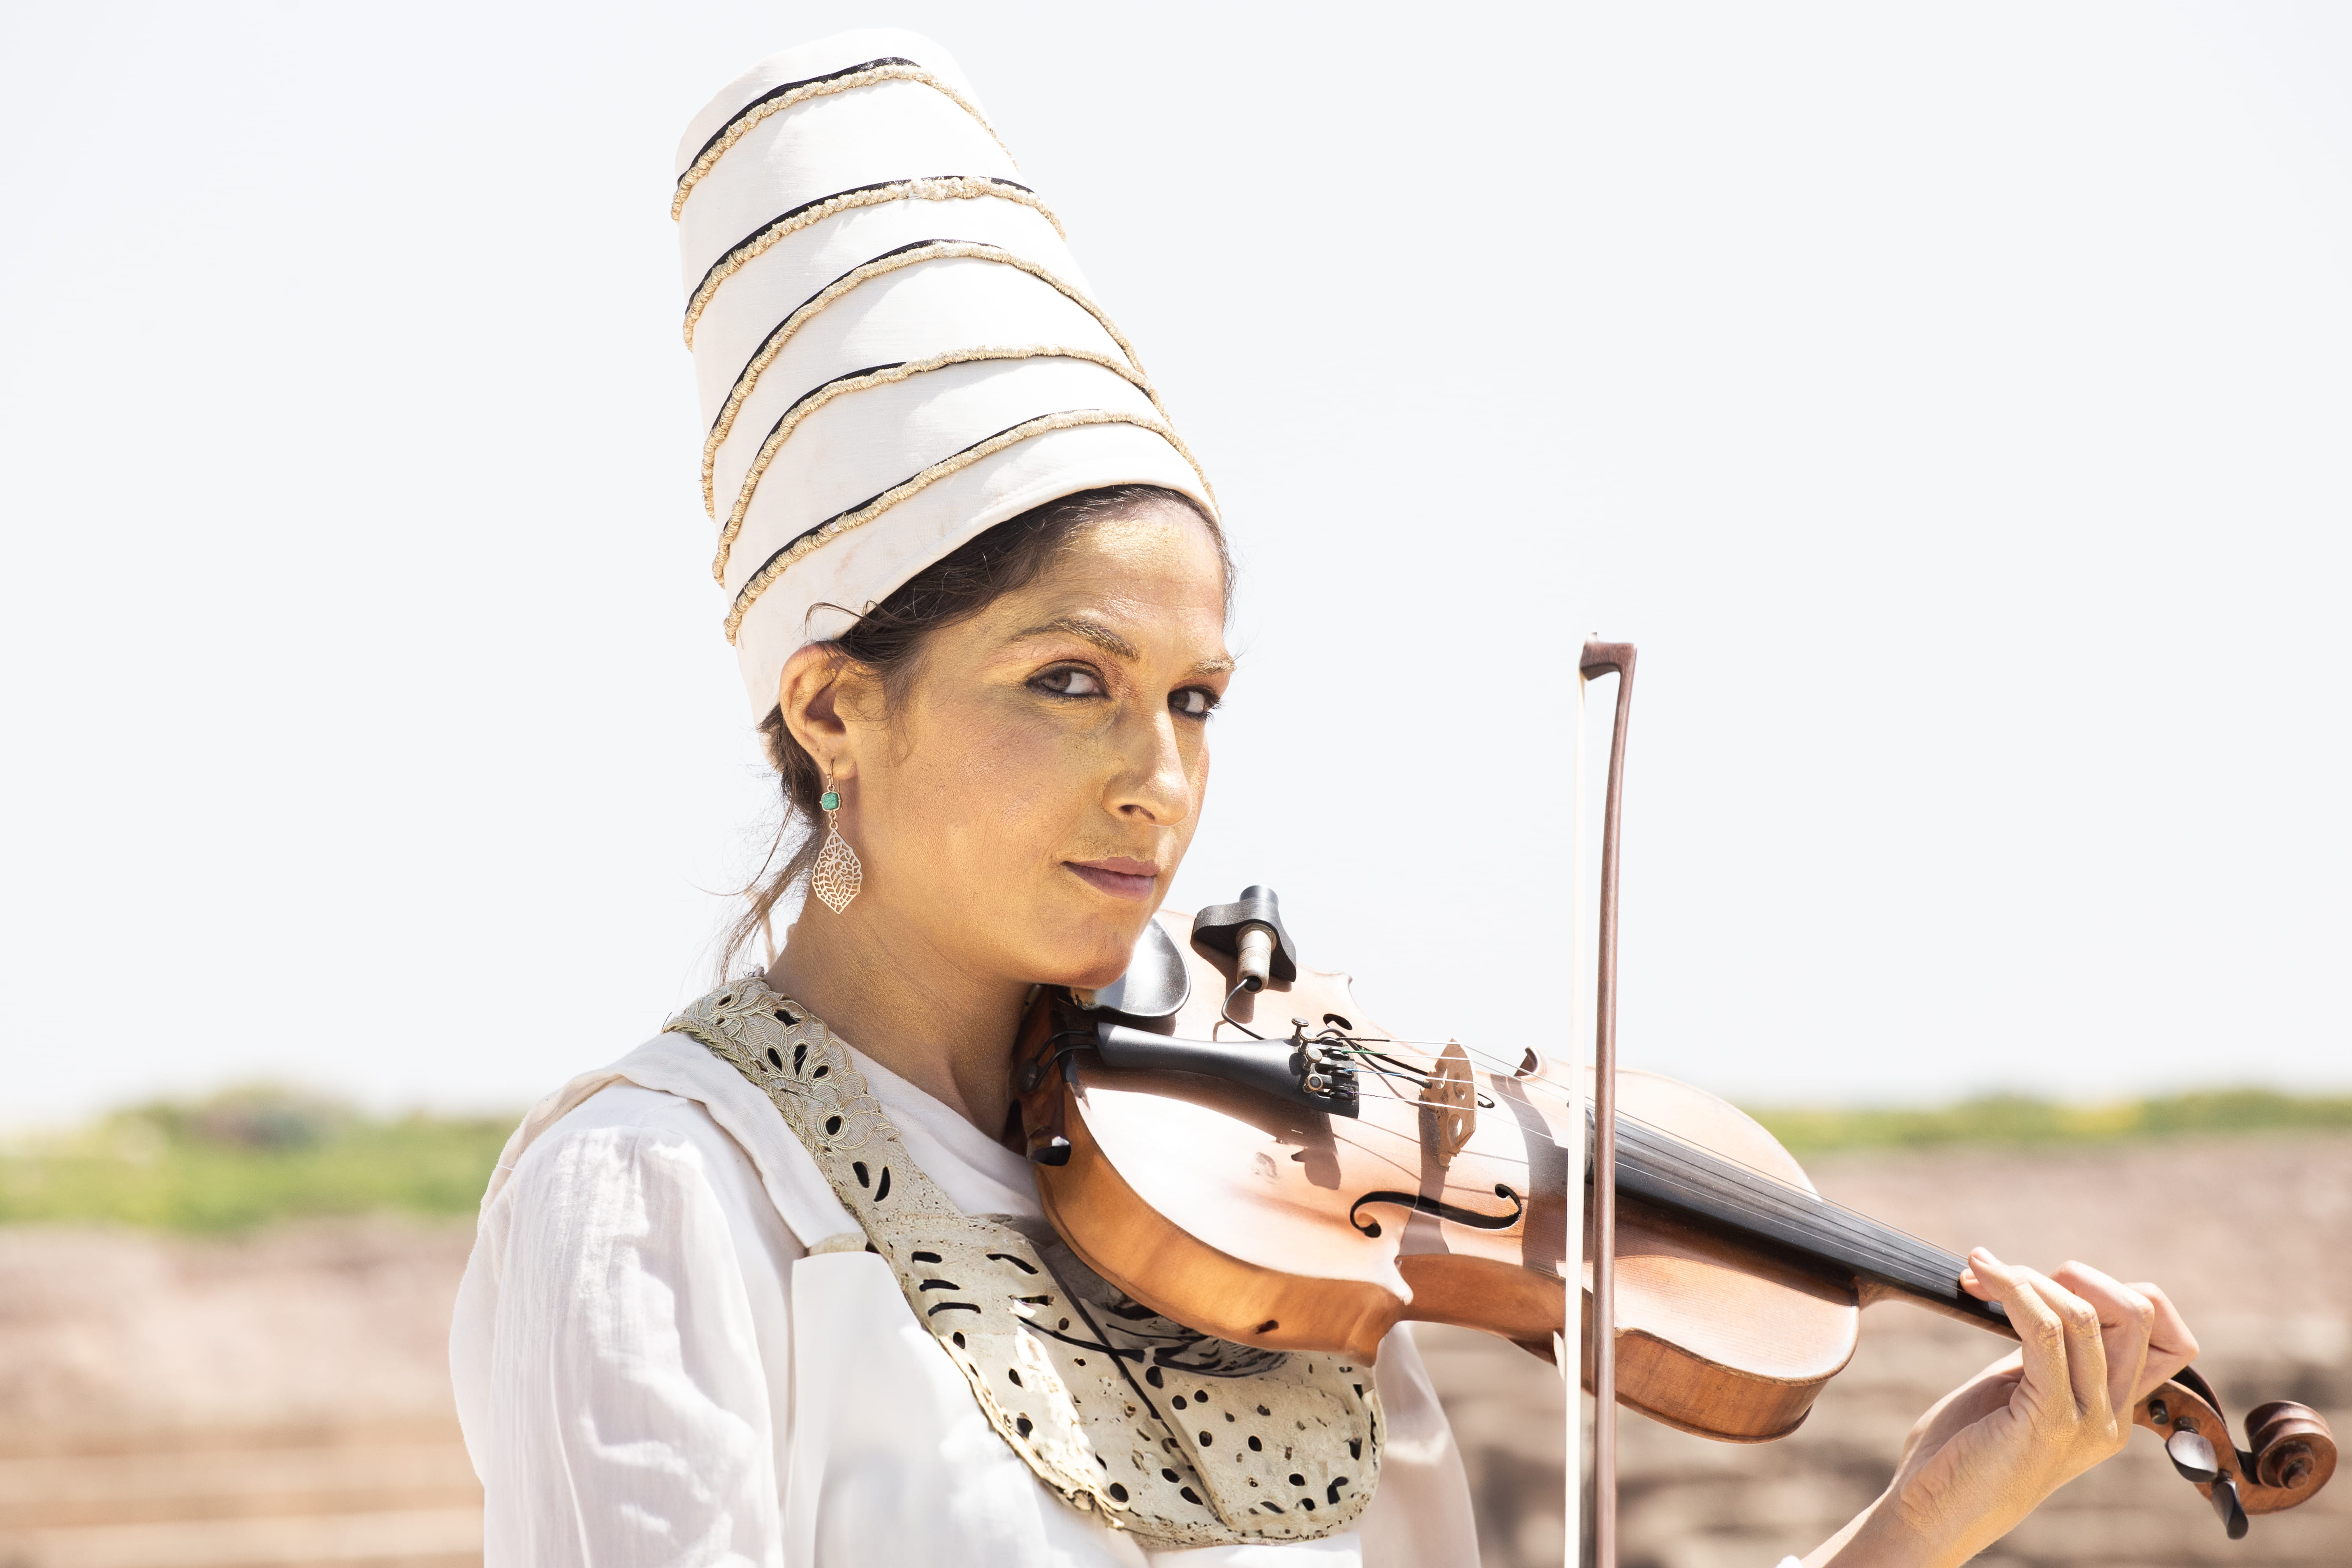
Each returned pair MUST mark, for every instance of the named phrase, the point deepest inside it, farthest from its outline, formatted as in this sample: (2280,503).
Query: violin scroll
(2294,1450)
(2292,1453)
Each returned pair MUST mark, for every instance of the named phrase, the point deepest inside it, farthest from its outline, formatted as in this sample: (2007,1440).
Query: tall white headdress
(895,348)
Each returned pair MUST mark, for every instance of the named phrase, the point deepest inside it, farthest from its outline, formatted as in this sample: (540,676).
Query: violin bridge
(1449,1101)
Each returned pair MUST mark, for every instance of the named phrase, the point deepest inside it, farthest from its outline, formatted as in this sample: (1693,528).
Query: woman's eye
(1193,701)
(1070,681)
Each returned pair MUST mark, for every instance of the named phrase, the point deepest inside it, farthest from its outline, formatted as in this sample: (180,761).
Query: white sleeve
(608,1358)
(1420,1516)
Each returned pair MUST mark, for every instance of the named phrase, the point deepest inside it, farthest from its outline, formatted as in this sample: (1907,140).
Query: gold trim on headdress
(930,188)
(867,75)
(886,376)
(905,255)
(866,511)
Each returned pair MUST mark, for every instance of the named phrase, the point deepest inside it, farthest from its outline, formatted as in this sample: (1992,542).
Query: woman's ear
(808,695)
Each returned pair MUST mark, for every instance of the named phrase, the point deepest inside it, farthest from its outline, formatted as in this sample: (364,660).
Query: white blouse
(655,1365)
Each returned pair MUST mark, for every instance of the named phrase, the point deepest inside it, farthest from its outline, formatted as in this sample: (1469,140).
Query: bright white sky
(1952,403)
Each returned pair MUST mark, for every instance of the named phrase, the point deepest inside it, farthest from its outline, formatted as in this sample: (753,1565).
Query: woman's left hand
(1986,1454)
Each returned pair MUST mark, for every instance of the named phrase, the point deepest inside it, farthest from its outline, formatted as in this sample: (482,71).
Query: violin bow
(2294,1453)
(1604,659)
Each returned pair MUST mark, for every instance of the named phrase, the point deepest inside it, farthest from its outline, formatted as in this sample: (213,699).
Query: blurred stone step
(73,1490)
(415,1538)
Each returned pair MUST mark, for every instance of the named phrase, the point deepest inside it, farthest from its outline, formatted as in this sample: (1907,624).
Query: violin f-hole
(1439,1210)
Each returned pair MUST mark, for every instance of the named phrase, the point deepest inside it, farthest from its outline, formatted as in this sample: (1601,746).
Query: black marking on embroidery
(1271,1505)
(938,1285)
(951,1306)
(1331,1492)
(1355,1448)
(1299,1480)
(1308,1503)
(1169,1475)
(1065,1323)
(1204,1439)
(1034,1301)
(821,1070)
(1022,1424)
(1257,1447)
(1229,1415)
(857,1168)
(1202,1397)
(1021,1264)
(1189,1495)
(924,1257)
(957,1337)
(832,1125)
(1178,1402)
(785,1018)
(800,1055)
(1113,1351)
(882,1188)
(1014,1374)
(1118,1492)
(1360,1391)
(774,1061)
(1151,1376)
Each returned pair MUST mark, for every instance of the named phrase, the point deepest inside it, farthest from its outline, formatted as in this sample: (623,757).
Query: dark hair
(887,643)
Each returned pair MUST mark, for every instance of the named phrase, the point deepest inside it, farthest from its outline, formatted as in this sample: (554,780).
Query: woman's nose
(1155,785)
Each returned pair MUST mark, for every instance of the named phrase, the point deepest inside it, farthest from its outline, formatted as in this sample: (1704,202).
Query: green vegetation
(254,1155)
(245,1158)
(2014,1119)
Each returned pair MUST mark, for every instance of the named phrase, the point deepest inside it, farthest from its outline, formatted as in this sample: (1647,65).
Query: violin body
(1441,1190)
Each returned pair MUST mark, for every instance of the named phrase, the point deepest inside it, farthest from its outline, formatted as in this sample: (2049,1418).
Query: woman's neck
(917,1011)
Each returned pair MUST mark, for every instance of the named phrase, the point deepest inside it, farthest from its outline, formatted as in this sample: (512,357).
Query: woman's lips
(1119,876)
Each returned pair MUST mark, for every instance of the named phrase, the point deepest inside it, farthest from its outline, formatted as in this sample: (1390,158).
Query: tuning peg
(2226,1505)
(2193,1455)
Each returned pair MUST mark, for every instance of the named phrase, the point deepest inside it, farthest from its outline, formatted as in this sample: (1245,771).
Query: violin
(1224,1135)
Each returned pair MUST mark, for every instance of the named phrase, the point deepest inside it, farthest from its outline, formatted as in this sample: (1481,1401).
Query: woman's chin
(1093,958)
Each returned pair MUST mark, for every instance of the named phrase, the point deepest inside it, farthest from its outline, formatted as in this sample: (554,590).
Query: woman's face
(1022,810)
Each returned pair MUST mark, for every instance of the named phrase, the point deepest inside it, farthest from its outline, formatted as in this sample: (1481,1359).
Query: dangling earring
(837,876)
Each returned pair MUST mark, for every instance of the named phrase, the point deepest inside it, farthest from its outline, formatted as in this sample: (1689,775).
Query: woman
(978,588)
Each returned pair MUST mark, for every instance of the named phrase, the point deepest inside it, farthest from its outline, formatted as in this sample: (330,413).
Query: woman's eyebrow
(1110,642)
(1094,632)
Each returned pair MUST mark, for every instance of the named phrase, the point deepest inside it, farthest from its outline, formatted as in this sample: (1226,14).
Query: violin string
(1800,1206)
(1813,1207)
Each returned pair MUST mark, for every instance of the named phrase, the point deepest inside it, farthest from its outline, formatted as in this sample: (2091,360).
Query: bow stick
(1602,659)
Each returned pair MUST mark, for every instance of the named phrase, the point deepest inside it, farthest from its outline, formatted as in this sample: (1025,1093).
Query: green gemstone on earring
(829,801)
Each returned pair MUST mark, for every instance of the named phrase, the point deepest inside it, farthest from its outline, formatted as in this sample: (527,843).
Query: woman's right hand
(1987,1454)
